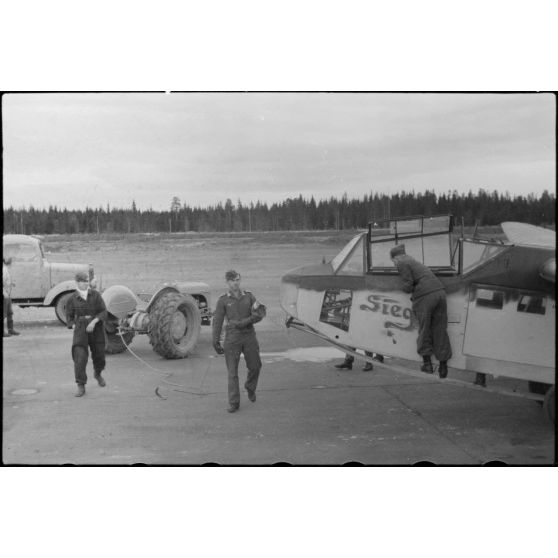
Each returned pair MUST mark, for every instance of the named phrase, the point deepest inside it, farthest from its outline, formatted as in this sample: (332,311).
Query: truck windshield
(20,252)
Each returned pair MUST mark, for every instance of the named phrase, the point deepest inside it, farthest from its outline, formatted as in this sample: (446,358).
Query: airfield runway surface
(306,413)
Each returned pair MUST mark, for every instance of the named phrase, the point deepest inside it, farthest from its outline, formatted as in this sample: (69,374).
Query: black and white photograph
(255,278)
(278,278)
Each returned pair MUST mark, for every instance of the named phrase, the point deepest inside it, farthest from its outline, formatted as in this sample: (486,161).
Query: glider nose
(308,277)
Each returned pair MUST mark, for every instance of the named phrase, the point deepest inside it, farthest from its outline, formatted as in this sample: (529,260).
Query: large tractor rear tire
(175,324)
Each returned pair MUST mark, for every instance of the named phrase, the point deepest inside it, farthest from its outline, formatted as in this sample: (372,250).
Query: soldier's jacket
(81,312)
(417,278)
(7,283)
(241,313)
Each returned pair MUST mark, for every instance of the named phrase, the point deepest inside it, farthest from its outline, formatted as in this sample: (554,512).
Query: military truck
(39,282)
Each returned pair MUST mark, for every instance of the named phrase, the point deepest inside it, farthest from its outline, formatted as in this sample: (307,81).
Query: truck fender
(58,289)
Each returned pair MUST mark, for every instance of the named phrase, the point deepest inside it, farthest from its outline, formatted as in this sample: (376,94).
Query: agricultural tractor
(172,317)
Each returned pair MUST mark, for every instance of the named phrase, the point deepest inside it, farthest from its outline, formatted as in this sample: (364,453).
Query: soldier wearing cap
(242,311)
(86,312)
(430,307)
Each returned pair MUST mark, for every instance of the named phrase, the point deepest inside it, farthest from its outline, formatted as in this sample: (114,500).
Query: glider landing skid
(295,324)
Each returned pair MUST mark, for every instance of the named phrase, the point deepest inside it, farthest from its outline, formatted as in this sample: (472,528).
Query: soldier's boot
(427,365)
(80,391)
(367,367)
(251,394)
(347,363)
(11,330)
(480,379)
(443,369)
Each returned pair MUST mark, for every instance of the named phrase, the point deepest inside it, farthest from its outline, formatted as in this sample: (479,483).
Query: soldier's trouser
(432,314)
(8,312)
(350,358)
(234,346)
(80,354)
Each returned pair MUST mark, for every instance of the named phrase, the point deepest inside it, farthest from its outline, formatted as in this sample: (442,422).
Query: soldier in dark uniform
(242,311)
(430,307)
(86,312)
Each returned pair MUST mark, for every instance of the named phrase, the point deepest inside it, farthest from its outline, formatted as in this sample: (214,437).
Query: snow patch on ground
(304,354)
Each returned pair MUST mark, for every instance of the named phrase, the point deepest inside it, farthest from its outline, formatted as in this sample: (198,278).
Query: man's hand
(218,348)
(91,325)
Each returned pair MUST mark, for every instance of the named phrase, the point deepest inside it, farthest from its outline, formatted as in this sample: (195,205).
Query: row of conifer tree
(482,208)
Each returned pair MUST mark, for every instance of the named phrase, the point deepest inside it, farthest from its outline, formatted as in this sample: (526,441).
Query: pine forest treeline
(482,208)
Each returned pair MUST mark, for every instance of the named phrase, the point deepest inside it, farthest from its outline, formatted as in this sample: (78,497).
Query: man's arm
(257,313)
(218,318)
(100,310)
(70,313)
(406,277)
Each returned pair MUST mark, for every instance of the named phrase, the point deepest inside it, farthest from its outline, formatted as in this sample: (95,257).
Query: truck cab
(38,282)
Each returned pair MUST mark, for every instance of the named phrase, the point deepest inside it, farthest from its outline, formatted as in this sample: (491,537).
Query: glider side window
(475,253)
(432,251)
(354,262)
(380,258)
(347,256)
(336,308)
(532,304)
(488,298)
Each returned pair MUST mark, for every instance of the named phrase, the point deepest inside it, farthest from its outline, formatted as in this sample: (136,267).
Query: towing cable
(160,373)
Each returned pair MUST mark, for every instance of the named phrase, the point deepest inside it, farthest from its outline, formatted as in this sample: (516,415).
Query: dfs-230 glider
(500,295)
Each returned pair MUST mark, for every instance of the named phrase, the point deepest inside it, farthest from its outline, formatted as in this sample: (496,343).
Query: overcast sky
(78,150)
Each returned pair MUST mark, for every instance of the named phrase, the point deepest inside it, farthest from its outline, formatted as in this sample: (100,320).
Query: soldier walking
(86,312)
(430,307)
(242,311)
